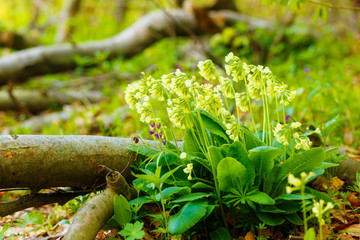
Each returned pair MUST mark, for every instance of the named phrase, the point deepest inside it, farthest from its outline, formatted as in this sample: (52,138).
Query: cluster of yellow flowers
(285,133)
(184,94)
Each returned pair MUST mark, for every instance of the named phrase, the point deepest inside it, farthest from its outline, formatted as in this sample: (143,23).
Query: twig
(51,237)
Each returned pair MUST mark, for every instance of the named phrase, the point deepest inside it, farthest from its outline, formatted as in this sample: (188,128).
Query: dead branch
(95,212)
(70,9)
(36,101)
(36,200)
(143,33)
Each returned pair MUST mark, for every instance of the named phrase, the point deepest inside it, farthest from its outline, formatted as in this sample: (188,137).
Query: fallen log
(40,100)
(39,161)
(152,27)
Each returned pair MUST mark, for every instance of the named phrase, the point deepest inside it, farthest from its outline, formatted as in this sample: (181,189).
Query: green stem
(164,213)
(284,119)
(303,206)
(264,117)
(218,192)
(251,111)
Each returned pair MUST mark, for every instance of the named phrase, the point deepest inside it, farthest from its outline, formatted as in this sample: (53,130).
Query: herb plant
(234,176)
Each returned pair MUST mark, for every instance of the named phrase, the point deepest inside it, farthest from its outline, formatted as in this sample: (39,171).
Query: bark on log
(150,28)
(37,101)
(60,161)
(95,212)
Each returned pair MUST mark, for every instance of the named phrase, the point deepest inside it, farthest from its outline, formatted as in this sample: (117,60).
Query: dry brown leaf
(250,236)
(353,199)
(321,184)
(336,183)
(353,230)
(8,155)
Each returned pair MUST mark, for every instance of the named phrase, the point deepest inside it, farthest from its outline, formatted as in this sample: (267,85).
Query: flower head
(183,155)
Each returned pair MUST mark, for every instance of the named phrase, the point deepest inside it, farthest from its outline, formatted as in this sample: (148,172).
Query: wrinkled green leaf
(231,174)
(187,217)
(220,233)
(263,159)
(261,198)
(294,196)
(122,211)
(250,140)
(213,125)
(310,234)
(191,197)
(270,219)
(237,150)
(168,192)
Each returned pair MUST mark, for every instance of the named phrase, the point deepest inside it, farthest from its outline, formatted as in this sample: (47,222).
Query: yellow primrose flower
(183,155)
(294,181)
(295,125)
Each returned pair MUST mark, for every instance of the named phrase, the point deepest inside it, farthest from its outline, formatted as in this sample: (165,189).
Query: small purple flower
(158,126)
(287,118)
(161,134)
(306,70)
(135,139)
(157,135)
(179,67)
(151,132)
(152,125)
(308,77)
(163,141)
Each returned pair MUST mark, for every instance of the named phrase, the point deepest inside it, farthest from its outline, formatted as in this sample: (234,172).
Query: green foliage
(133,231)
(122,211)
(191,213)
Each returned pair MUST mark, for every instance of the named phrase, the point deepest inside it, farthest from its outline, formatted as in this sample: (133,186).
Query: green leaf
(294,218)
(168,192)
(250,140)
(294,197)
(260,198)
(237,150)
(190,144)
(166,159)
(303,162)
(270,219)
(310,234)
(290,206)
(220,233)
(201,185)
(331,125)
(145,151)
(122,211)
(216,156)
(168,174)
(191,197)
(187,217)
(271,209)
(319,195)
(325,165)
(263,159)
(214,125)
(231,174)
(133,231)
